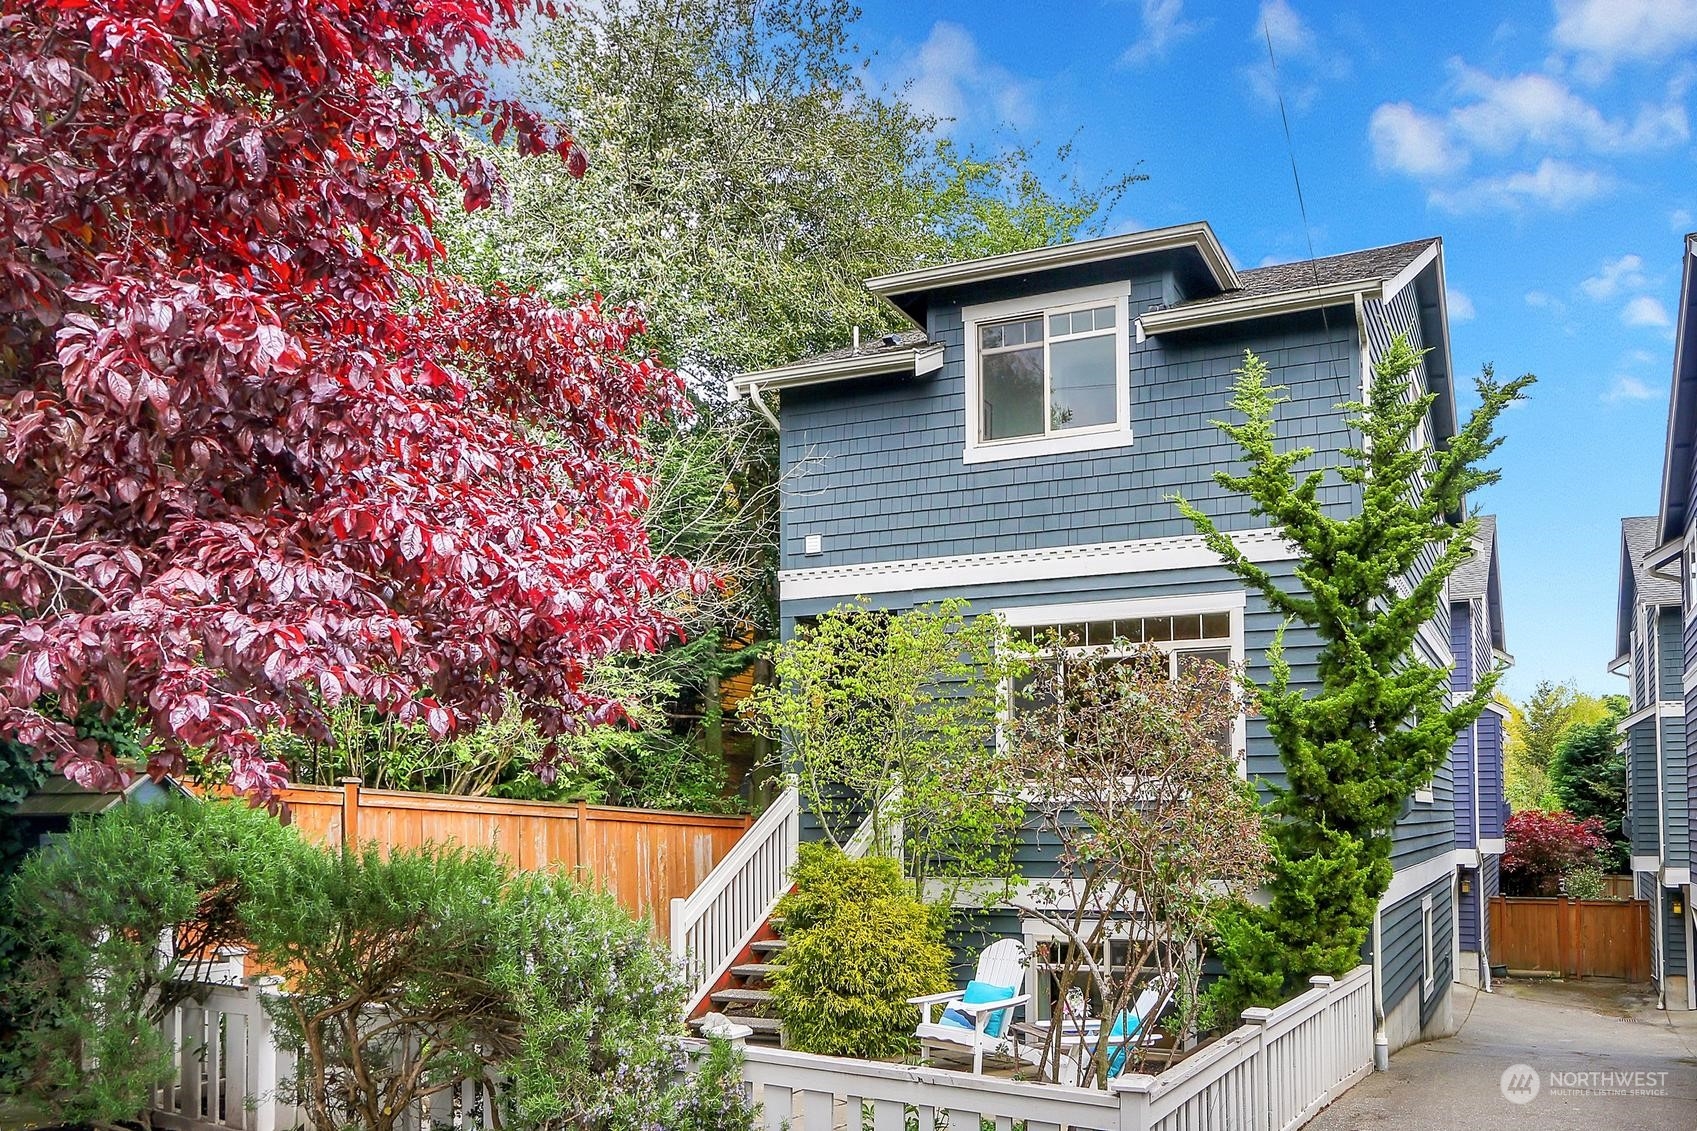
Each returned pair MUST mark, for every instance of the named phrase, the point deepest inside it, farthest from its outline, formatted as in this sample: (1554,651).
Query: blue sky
(1550,146)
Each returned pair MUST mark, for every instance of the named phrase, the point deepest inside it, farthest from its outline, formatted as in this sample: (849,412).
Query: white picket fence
(232,1075)
(1271,1074)
(712,925)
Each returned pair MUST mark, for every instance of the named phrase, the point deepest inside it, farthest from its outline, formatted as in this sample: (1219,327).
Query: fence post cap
(350,781)
(1321,980)
(1139,1082)
(264,982)
(1256,1015)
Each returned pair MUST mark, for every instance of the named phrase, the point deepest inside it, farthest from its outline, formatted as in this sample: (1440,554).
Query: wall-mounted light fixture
(1466,882)
(1678,904)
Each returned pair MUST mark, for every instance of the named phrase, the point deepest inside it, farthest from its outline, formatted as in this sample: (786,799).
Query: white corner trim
(1675,877)
(1646,864)
(1492,846)
(1102,559)
(1426,873)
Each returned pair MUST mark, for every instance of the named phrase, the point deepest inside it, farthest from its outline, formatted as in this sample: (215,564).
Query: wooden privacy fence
(644,858)
(1576,938)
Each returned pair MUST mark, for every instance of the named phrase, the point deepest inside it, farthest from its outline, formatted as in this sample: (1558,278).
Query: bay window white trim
(1097,438)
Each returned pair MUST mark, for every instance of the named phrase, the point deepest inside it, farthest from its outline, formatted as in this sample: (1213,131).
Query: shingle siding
(879,464)
(1676,844)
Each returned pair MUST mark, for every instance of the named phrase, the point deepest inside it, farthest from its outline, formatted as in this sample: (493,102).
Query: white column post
(1258,1016)
(1133,1090)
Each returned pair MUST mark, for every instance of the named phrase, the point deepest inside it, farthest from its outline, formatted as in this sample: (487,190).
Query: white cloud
(1626,388)
(1606,32)
(1408,141)
(949,77)
(1543,300)
(1460,305)
(1645,311)
(1553,184)
(1163,26)
(1679,220)
(1540,112)
(1615,276)
(1304,62)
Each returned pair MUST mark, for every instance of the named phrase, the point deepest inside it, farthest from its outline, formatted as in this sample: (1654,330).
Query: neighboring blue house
(1477,646)
(1019,449)
(1656,646)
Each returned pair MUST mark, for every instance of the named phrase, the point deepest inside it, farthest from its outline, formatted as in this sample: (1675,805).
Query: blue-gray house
(1656,650)
(1019,447)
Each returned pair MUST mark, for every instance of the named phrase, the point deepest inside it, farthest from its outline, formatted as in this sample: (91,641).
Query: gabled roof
(1682,404)
(1374,264)
(1478,579)
(59,796)
(1639,584)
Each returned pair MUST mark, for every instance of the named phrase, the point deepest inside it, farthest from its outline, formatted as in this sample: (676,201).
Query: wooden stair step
(741,997)
(764,1027)
(753,970)
(768,946)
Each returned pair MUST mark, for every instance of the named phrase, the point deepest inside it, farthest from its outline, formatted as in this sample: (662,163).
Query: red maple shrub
(258,453)
(1541,847)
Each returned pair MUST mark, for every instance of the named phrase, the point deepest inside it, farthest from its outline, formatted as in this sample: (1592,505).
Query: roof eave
(1218,311)
(912,362)
(1676,466)
(1199,236)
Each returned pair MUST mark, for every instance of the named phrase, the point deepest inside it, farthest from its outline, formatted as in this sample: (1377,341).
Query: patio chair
(979,1018)
(1134,1027)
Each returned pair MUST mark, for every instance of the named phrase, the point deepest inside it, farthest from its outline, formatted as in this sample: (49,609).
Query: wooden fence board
(1576,938)
(644,858)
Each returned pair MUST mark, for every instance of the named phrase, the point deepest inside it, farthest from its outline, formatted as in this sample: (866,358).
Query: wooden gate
(1576,938)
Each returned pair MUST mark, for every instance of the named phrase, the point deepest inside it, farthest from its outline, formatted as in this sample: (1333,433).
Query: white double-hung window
(1048,374)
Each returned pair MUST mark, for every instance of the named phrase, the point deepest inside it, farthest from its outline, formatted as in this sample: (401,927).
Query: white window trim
(1428,970)
(1116,435)
(1231,601)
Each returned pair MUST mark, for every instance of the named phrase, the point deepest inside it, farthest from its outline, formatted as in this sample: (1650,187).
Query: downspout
(759,402)
(1381,1043)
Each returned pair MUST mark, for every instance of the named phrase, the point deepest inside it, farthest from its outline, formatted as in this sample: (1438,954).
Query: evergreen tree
(1379,723)
(1588,776)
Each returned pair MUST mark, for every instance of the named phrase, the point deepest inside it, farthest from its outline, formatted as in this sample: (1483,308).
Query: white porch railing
(715,922)
(1271,1074)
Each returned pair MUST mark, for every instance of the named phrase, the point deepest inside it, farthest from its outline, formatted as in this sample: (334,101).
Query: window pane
(1060,324)
(1072,635)
(1216,626)
(1013,394)
(1131,631)
(1033,328)
(1099,632)
(1104,317)
(1081,391)
(989,337)
(1220,656)
(1157,628)
(1187,628)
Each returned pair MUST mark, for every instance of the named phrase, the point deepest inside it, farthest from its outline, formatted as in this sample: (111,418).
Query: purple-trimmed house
(1476,761)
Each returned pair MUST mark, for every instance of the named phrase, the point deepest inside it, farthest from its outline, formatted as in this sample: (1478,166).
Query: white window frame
(1097,438)
(1429,962)
(1230,601)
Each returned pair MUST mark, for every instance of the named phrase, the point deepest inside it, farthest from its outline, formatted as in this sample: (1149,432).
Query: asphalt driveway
(1544,1055)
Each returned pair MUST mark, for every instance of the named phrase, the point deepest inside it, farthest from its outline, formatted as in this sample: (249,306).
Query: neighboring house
(1656,645)
(1020,448)
(1477,646)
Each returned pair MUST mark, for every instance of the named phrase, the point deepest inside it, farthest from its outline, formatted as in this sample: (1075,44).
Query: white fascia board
(1198,235)
(1645,864)
(1498,710)
(1668,553)
(1675,877)
(1619,664)
(1664,709)
(1396,283)
(1420,876)
(963,571)
(919,361)
(1492,846)
(1218,311)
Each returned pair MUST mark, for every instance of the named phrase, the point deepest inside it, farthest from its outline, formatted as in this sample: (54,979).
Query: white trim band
(1418,877)
(1102,559)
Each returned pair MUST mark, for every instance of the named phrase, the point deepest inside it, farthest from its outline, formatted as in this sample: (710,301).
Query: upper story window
(1048,374)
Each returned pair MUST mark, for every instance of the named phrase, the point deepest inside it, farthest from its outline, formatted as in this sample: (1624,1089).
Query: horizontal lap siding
(1675,808)
(1402,940)
(1644,887)
(1462,752)
(1671,665)
(877,470)
(1641,784)
(1490,886)
(1673,934)
(1488,742)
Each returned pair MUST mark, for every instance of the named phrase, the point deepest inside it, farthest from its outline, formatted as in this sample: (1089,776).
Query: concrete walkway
(1618,1064)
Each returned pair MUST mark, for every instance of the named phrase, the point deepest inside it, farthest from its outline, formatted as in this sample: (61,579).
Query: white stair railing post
(1133,1088)
(266,1069)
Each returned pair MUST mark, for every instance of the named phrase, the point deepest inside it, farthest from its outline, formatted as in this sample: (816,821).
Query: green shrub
(860,945)
(90,983)
(1584,882)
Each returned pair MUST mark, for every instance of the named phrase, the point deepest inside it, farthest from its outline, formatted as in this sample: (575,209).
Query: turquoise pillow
(1124,1028)
(977,993)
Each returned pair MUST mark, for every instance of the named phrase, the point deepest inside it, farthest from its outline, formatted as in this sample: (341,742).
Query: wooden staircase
(747,999)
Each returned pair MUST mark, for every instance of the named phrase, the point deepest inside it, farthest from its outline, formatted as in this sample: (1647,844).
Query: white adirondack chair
(999,964)
(1147,1008)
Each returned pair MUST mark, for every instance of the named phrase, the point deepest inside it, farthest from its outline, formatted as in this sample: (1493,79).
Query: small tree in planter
(894,717)
(1132,776)
(1540,848)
